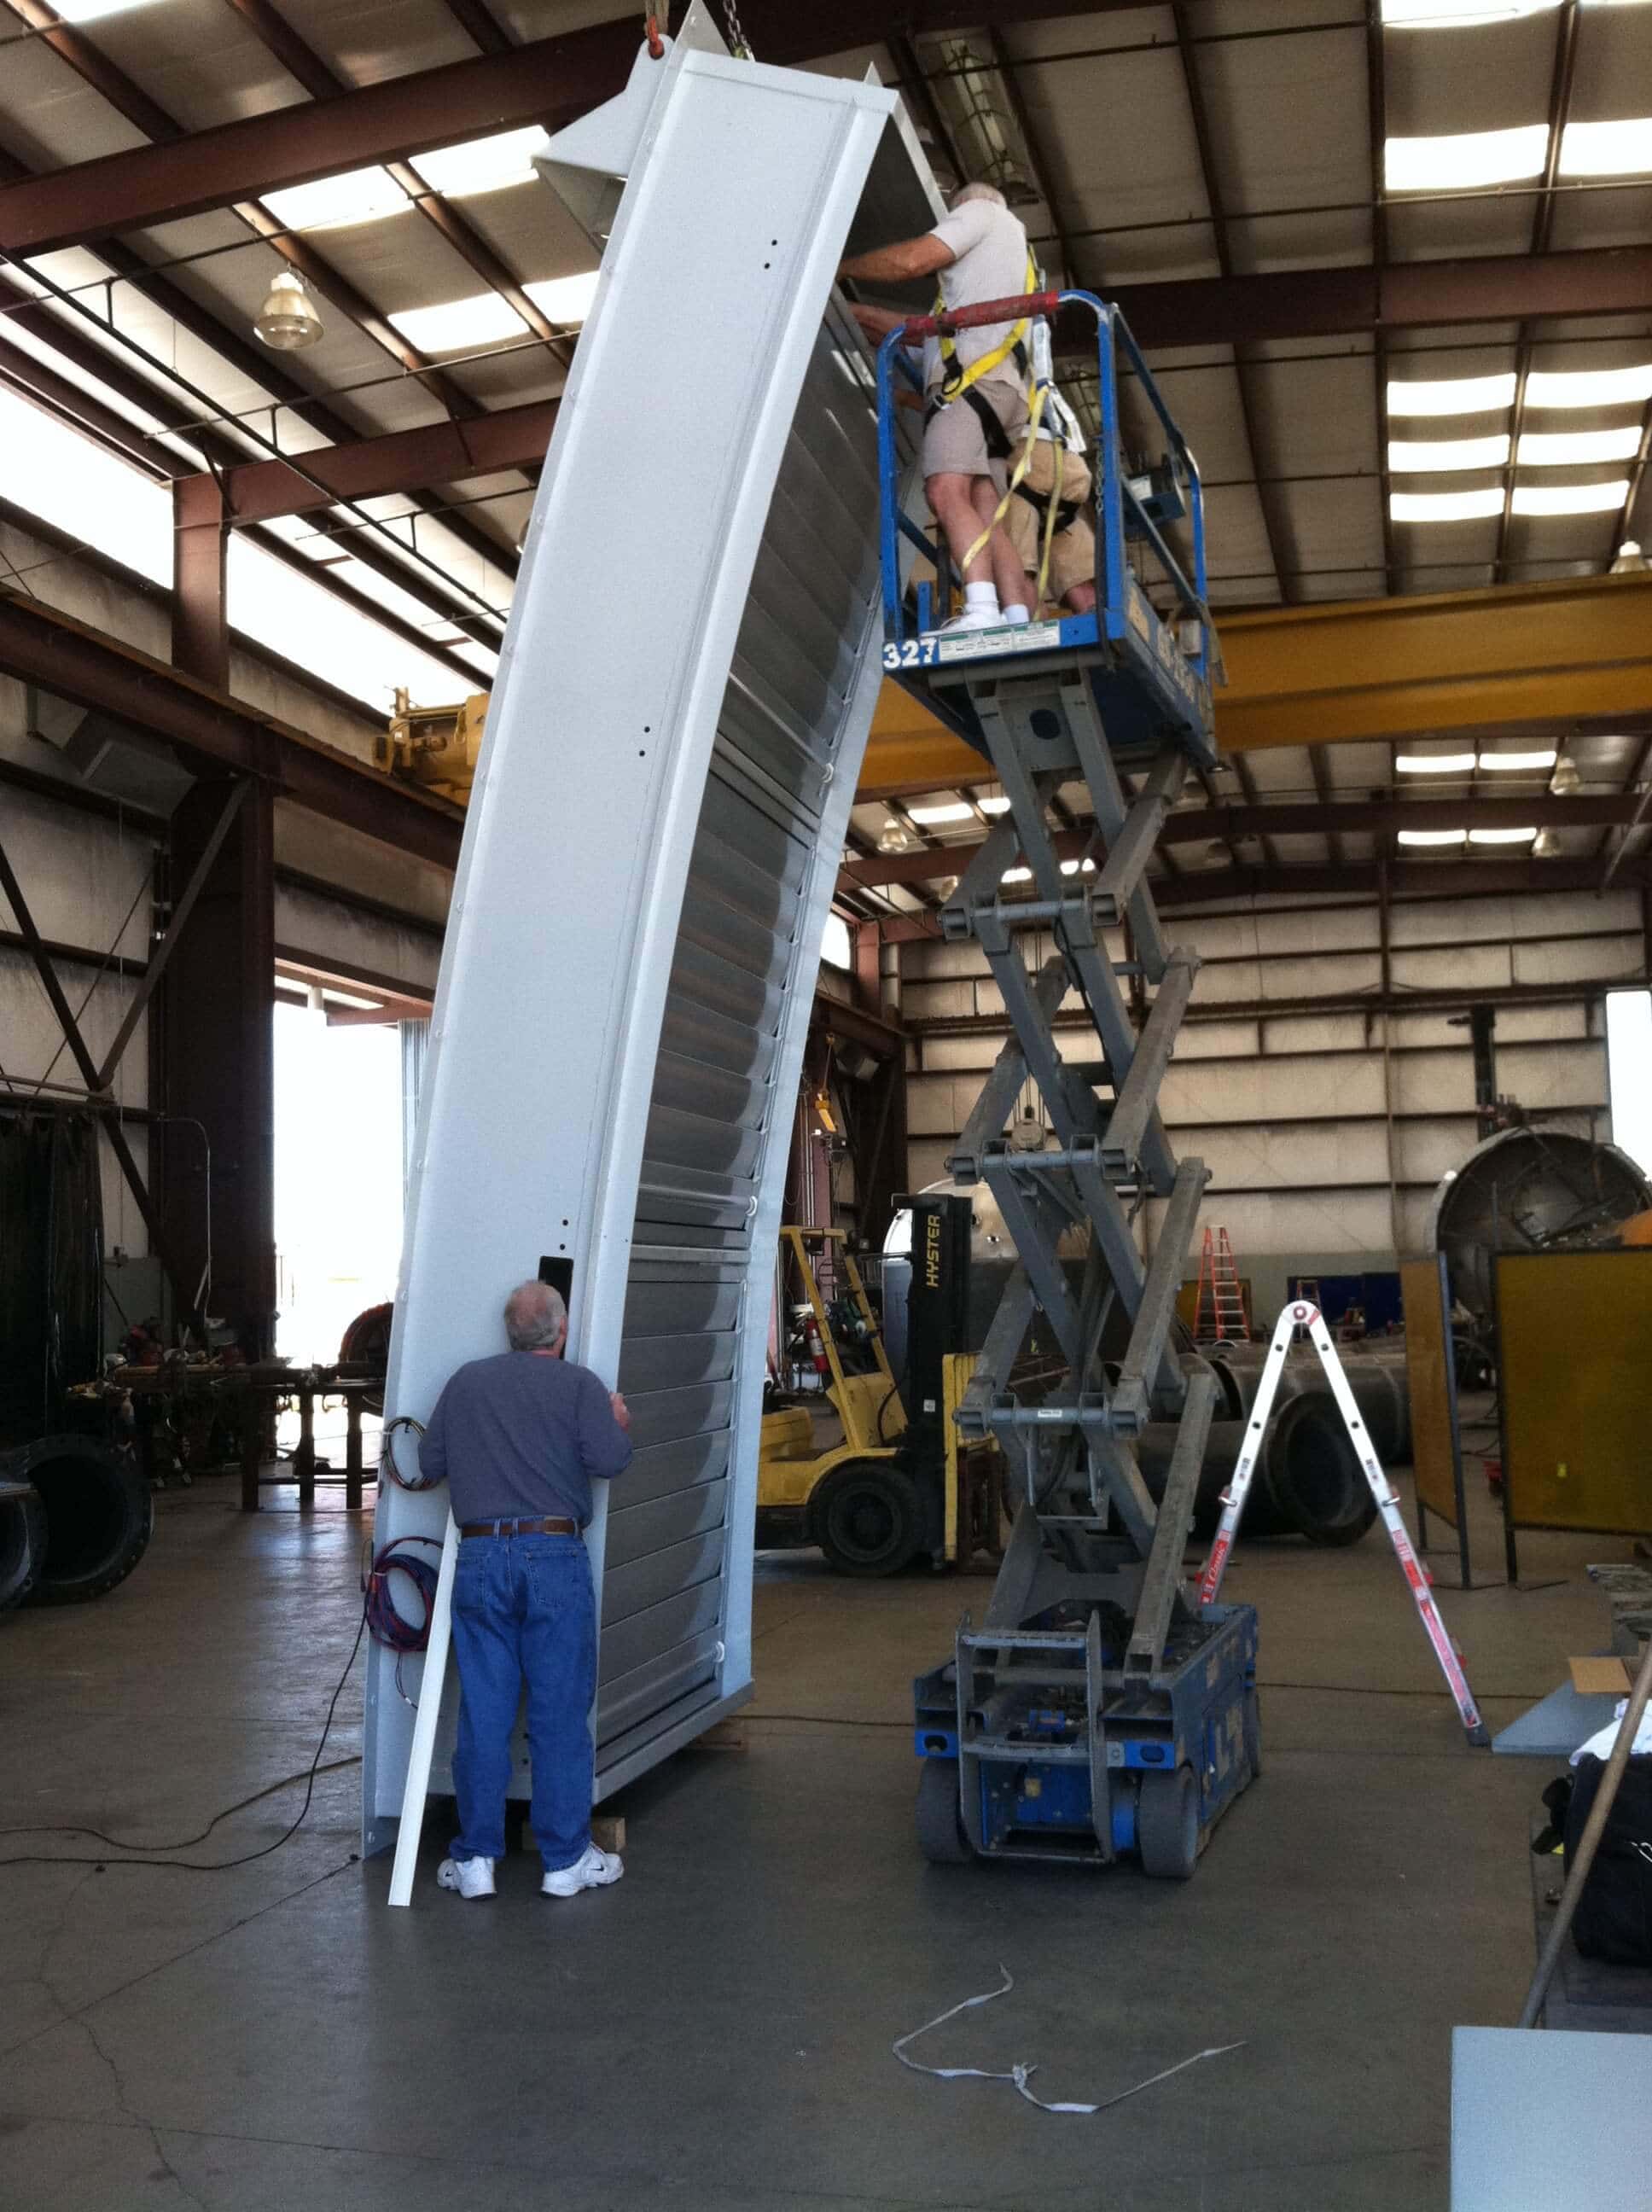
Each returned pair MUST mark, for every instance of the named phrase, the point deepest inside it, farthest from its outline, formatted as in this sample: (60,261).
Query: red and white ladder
(1303,1315)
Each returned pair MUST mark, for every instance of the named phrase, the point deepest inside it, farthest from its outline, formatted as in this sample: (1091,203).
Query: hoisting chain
(739,45)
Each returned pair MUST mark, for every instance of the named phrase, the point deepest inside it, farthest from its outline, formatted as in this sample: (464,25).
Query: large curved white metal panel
(672,746)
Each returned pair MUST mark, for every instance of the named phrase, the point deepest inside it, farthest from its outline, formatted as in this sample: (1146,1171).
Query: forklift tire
(941,1837)
(866,1517)
(1166,1824)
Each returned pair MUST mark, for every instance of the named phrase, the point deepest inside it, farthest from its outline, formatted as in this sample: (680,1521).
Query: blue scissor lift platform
(1096,1712)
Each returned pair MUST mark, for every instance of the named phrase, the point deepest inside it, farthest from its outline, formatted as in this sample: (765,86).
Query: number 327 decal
(912,652)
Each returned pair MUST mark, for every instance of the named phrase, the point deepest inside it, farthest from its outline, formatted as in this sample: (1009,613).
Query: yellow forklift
(887,1486)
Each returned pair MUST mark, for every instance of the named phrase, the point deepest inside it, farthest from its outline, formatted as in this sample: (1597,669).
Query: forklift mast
(937,1311)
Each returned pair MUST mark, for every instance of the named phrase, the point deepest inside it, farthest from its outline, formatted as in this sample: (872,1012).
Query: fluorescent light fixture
(1454,14)
(1464,159)
(1454,395)
(1589,387)
(1544,757)
(1432,836)
(1016,875)
(87,11)
(958,810)
(1445,505)
(1415,456)
(486,165)
(997,805)
(1502,837)
(1435,763)
(457,324)
(1564,449)
(564,299)
(1607,149)
(1571,498)
(359,196)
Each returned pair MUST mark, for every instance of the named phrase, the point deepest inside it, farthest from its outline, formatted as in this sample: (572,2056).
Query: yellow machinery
(435,747)
(887,1489)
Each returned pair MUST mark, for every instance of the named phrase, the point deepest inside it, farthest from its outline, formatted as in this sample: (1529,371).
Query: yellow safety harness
(957,383)
(955,379)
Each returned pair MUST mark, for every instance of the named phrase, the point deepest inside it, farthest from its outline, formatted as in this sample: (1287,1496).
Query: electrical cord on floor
(388,1627)
(197,1866)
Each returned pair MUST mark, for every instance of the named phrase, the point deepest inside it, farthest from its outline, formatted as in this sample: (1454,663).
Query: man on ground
(519,1439)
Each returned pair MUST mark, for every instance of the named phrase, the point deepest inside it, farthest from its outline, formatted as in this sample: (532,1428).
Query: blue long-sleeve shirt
(523,1435)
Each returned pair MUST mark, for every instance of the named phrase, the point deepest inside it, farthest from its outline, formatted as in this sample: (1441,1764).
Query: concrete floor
(715,2032)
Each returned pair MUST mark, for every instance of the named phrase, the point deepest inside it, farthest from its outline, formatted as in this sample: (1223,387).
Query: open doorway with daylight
(341,1050)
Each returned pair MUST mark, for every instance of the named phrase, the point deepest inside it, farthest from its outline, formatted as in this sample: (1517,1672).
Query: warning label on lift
(937,649)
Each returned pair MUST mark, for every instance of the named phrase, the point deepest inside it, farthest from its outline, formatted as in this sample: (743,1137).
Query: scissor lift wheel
(1166,1824)
(940,1822)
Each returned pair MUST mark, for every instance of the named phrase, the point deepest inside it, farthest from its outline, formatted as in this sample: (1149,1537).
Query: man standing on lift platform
(976,388)
(518,1440)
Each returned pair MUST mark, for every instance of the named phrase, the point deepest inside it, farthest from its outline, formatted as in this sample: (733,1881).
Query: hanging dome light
(287,319)
(1566,778)
(1630,561)
(893,837)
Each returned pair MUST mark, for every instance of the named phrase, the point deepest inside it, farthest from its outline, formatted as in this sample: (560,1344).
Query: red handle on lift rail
(985,311)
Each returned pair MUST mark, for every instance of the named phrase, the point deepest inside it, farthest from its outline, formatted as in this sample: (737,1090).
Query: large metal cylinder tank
(1530,1190)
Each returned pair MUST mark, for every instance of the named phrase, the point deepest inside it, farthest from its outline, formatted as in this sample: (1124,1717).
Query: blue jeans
(523,1611)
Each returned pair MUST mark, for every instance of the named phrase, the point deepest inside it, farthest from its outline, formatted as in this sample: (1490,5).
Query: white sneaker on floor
(594,1871)
(470,1877)
(971,618)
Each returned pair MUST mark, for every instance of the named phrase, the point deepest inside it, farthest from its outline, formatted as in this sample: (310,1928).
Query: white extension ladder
(1303,1315)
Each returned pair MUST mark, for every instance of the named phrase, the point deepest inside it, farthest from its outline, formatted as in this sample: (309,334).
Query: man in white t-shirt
(979,252)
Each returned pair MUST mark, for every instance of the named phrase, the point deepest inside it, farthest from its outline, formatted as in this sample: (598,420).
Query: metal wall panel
(652,846)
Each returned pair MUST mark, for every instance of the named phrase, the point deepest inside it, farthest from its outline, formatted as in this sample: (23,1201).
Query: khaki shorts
(1073,552)
(955,443)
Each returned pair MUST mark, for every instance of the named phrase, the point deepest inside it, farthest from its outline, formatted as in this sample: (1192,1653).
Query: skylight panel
(456,324)
(564,299)
(1446,505)
(1454,395)
(1464,159)
(1589,387)
(1455,14)
(1540,756)
(1432,836)
(996,805)
(1623,148)
(1436,763)
(1559,449)
(87,11)
(1411,456)
(1570,499)
(958,810)
(359,196)
(1016,875)
(83,488)
(1502,837)
(485,165)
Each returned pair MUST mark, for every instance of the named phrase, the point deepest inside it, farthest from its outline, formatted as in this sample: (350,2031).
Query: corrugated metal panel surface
(713,1095)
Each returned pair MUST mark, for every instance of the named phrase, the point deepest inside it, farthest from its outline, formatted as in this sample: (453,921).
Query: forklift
(901,1482)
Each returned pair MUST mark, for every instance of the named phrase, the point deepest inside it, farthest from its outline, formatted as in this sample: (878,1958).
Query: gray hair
(535,1317)
(979,191)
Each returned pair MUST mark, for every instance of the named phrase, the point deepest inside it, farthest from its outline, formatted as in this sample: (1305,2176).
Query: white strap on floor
(1019,2075)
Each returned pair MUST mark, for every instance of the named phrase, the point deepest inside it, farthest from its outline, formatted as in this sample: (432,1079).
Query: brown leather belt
(555,1527)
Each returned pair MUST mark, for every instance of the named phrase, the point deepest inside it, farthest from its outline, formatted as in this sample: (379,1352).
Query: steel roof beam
(1225,824)
(212,730)
(400,461)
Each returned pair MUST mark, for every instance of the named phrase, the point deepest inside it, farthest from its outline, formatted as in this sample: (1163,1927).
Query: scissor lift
(1096,1712)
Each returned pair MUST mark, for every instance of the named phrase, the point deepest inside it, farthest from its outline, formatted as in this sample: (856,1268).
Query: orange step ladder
(1221,1311)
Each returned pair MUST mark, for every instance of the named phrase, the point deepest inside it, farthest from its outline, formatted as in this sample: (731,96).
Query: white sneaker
(470,1877)
(594,1871)
(971,618)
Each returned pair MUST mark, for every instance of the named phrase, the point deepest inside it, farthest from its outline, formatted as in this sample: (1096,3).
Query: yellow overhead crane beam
(1316,675)
(1367,668)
